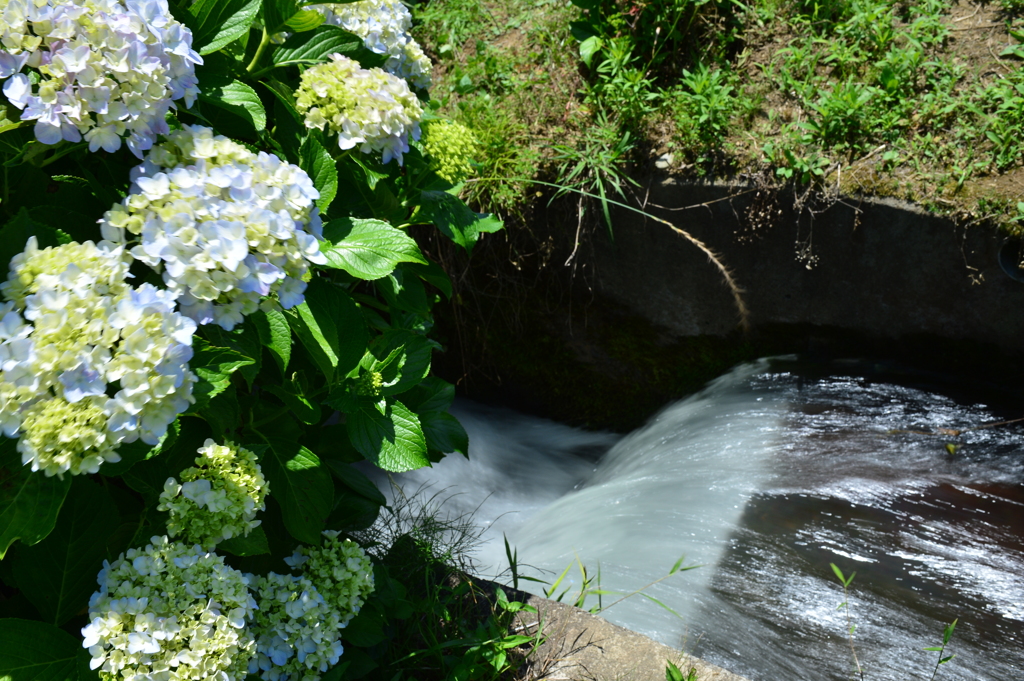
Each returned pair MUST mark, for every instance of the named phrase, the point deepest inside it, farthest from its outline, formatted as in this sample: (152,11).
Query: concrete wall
(882,268)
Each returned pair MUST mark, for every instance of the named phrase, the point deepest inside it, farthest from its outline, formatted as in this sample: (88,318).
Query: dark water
(773,472)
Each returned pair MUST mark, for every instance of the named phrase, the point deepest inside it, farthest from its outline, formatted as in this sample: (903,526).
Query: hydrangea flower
(384,26)
(340,570)
(365,107)
(450,146)
(172,612)
(73,332)
(296,631)
(227,227)
(105,68)
(218,498)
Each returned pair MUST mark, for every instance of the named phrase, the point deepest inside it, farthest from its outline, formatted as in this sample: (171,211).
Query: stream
(764,478)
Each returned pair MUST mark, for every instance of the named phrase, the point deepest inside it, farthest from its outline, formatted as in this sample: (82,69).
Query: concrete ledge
(580,646)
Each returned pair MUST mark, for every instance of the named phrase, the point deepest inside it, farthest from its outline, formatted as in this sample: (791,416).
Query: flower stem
(264,42)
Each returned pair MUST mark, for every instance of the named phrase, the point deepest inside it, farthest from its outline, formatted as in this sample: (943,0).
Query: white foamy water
(764,478)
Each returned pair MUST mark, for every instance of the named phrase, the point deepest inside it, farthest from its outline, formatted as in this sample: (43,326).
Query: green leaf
(368,249)
(15,234)
(59,573)
(444,433)
(393,441)
(275,335)
(304,20)
(303,408)
(237,98)
(276,14)
(454,218)
(590,47)
(330,326)
(244,339)
(301,484)
(316,48)
(214,366)
(29,502)
(433,273)
(431,396)
(413,362)
(253,544)
(320,167)
(35,651)
(221,22)
(356,481)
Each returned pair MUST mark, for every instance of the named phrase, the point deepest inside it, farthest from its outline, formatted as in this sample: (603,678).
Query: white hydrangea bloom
(384,26)
(296,631)
(365,107)
(170,612)
(227,227)
(218,498)
(106,69)
(339,569)
(73,331)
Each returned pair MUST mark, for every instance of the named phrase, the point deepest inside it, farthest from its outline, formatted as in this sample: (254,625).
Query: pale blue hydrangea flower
(108,69)
(218,498)
(74,332)
(170,612)
(339,569)
(297,633)
(366,108)
(229,229)
(384,26)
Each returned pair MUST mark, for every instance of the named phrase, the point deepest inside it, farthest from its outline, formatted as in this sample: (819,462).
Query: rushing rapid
(763,479)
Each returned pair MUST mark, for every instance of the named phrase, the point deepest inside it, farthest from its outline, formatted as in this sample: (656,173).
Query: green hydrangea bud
(218,498)
(340,570)
(67,437)
(450,146)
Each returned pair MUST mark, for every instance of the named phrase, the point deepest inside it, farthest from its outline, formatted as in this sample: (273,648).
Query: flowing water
(764,478)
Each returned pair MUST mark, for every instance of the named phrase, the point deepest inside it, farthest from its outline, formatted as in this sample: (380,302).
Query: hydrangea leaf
(36,651)
(237,98)
(214,366)
(276,14)
(320,167)
(454,218)
(253,544)
(275,335)
(356,481)
(330,327)
(303,49)
(301,484)
(413,363)
(221,22)
(29,502)
(368,249)
(444,433)
(431,396)
(304,20)
(393,440)
(59,573)
(302,407)
(15,234)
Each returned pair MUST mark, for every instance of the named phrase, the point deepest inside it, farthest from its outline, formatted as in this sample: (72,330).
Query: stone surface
(580,646)
(878,267)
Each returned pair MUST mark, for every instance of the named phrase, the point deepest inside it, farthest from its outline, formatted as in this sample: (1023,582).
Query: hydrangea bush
(200,266)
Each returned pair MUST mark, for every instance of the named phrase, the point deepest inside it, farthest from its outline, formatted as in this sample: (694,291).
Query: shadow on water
(774,471)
